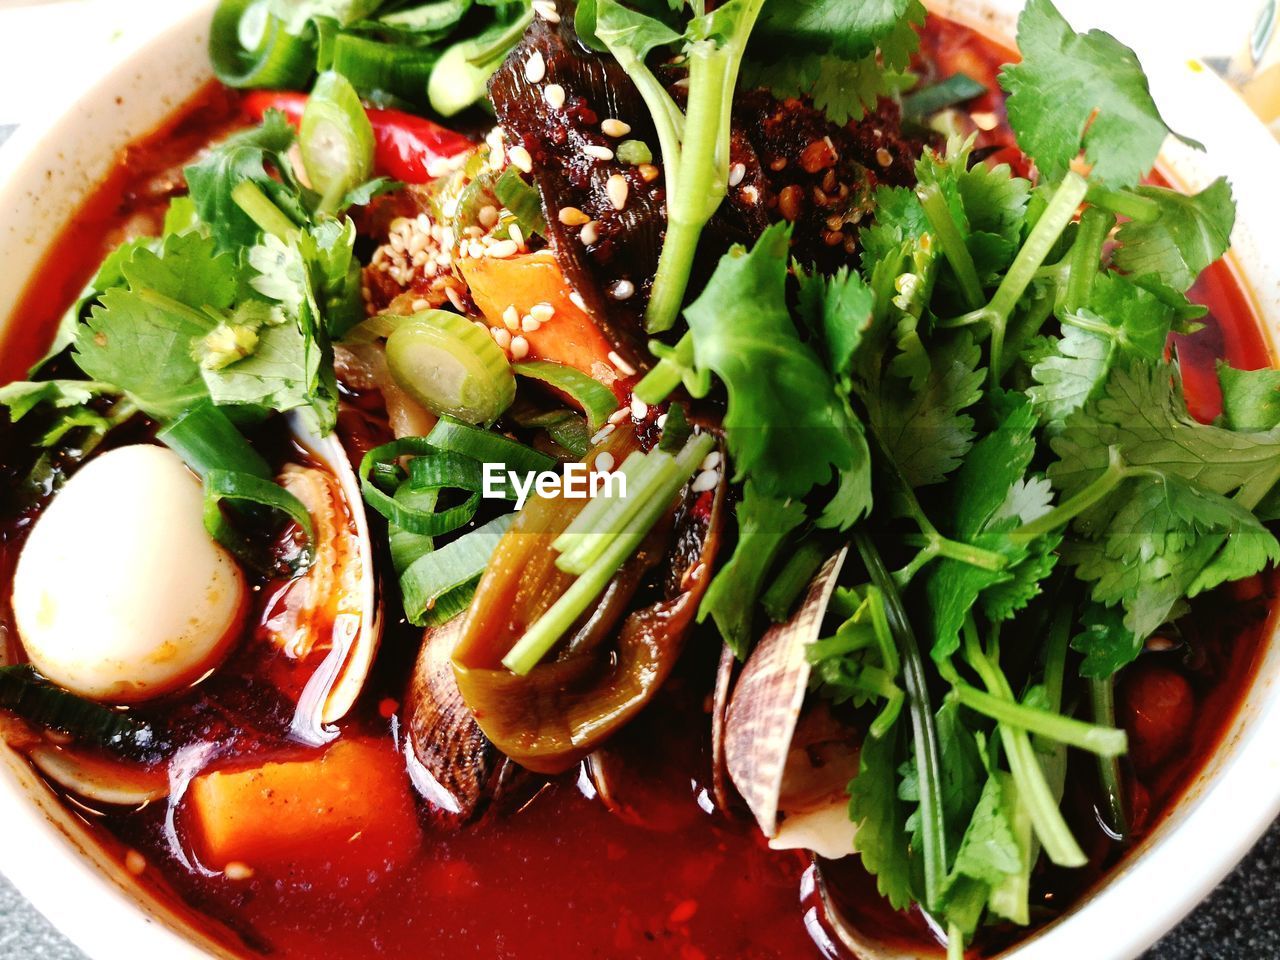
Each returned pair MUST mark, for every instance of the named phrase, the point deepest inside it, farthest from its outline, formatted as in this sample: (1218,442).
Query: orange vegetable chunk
(570,336)
(349,805)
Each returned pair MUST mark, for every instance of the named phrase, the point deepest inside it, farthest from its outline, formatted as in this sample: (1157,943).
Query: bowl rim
(55,862)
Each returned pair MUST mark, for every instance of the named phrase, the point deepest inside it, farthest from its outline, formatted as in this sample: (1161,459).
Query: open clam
(452,762)
(790,757)
(334,608)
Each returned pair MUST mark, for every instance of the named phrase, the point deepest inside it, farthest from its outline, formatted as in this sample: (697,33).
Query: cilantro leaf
(1122,321)
(1107,644)
(786,426)
(65,400)
(1250,398)
(925,430)
(763,526)
(1190,233)
(139,338)
(1075,92)
(845,56)
(877,812)
(250,155)
(1143,415)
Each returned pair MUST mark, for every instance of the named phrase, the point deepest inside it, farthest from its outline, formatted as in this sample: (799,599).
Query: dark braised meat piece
(791,163)
(607,249)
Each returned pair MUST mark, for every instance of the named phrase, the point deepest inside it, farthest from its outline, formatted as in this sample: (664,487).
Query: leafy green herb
(1188,234)
(1080,93)
(1250,398)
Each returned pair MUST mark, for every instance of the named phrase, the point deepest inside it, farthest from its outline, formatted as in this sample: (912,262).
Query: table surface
(1241,919)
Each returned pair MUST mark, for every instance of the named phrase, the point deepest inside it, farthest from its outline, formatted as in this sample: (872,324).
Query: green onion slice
(435,471)
(33,698)
(206,439)
(451,366)
(336,139)
(596,400)
(249,47)
(380,69)
(488,447)
(249,491)
(438,585)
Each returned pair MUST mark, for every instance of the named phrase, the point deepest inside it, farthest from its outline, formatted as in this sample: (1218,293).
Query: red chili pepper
(408,148)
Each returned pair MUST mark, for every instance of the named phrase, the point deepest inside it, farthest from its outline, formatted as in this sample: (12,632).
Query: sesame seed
(615,128)
(639,409)
(501,336)
(135,863)
(648,172)
(884,157)
(623,290)
(554,95)
(511,318)
(778,165)
(985,120)
(737,173)
(622,413)
(481,325)
(590,232)
(618,190)
(607,429)
(705,481)
(487,216)
(710,461)
(542,312)
(576,299)
(597,152)
(661,421)
(546,9)
(521,158)
(529,325)
(604,461)
(750,194)
(519,348)
(626,369)
(455,298)
(516,235)
(535,68)
(235,870)
(419,305)
(572,217)
(503,249)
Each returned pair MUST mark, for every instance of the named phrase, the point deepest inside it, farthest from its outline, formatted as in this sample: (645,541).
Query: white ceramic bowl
(46,170)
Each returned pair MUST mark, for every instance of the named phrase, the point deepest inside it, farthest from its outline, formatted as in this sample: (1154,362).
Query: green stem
(1068,510)
(1126,203)
(792,580)
(1105,741)
(543,635)
(924,555)
(668,119)
(667,374)
(1086,256)
(924,731)
(702,184)
(1102,700)
(257,206)
(953,246)
(1061,209)
(1025,766)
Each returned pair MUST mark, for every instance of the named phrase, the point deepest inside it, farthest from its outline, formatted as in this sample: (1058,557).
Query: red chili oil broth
(556,873)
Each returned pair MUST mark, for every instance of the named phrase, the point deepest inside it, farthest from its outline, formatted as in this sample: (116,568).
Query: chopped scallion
(451,366)
(596,400)
(336,139)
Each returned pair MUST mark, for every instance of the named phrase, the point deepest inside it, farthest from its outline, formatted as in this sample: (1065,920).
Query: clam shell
(337,682)
(766,703)
(452,763)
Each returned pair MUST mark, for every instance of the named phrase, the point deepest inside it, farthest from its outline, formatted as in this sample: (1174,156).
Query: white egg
(120,594)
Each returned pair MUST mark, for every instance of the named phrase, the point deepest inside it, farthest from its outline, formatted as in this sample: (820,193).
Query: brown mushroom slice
(333,609)
(453,764)
(766,704)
